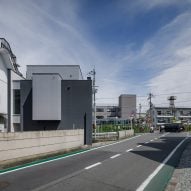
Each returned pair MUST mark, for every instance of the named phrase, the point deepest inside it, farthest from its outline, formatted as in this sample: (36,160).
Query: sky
(136,46)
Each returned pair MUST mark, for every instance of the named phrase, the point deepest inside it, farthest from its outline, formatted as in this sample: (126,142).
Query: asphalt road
(117,167)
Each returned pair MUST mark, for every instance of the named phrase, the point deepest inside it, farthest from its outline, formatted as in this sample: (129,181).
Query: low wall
(24,144)
(125,133)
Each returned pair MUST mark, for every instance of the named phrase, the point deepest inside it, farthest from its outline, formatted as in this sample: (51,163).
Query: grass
(115,128)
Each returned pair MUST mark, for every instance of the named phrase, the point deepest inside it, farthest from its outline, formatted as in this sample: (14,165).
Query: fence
(112,135)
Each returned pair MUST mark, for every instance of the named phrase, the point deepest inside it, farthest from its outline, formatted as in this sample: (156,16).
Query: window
(111,110)
(181,112)
(16,101)
(159,112)
(99,117)
(2,120)
(99,110)
(168,112)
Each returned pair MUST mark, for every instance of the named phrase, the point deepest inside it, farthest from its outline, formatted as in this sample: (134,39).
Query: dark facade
(76,108)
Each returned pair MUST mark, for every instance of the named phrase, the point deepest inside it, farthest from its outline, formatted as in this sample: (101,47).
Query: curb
(161,180)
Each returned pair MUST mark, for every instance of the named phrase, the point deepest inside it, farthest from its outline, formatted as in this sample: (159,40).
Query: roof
(5,45)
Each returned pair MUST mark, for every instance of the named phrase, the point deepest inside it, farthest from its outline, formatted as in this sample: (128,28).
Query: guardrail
(105,136)
(112,135)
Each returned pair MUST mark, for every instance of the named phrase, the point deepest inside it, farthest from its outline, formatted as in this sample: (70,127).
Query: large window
(16,101)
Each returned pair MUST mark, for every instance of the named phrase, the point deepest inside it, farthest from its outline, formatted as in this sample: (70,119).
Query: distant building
(164,115)
(9,96)
(123,111)
(107,112)
(127,106)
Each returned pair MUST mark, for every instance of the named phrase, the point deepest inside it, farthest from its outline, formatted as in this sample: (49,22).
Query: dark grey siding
(76,108)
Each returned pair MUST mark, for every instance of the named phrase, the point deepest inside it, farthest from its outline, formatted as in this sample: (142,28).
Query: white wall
(67,72)
(14,146)
(125,133)
(3,87)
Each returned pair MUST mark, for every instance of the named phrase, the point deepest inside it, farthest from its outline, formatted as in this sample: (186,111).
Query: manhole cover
(4,184)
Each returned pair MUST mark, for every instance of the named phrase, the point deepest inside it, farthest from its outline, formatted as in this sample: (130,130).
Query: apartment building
(164,115)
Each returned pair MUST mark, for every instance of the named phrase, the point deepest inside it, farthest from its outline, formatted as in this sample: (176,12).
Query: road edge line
(52,159)
(156,171)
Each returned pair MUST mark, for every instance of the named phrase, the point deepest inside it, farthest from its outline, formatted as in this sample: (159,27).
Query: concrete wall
(3,86)
(14,146)
(67,72)
(125,133)
(127,105)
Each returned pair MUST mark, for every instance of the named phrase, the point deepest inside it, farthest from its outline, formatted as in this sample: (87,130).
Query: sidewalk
(181,178)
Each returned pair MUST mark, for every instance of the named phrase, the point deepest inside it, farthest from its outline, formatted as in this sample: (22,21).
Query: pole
(140,107)
(94,100)
(93,73)
(150,107)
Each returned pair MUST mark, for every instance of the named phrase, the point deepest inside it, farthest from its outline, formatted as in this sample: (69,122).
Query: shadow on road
(158,151)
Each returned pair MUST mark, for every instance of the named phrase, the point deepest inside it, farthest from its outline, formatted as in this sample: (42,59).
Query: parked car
(176,127)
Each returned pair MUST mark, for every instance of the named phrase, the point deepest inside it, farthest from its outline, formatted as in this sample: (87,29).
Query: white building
(9,95)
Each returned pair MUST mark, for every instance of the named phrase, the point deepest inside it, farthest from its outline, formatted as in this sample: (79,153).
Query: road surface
(121,166)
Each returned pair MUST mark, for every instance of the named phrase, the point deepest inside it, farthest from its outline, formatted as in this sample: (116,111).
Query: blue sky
(136,46)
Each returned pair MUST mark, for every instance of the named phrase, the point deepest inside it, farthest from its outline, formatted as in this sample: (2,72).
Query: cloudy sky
(136,46)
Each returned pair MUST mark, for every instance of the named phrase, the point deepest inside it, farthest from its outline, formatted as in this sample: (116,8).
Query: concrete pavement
(120,166)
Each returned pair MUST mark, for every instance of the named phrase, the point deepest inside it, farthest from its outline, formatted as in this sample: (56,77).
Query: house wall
(76,108)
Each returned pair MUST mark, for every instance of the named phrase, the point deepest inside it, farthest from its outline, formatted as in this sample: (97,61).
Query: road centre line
(115,156)
(155,172)
(139,145)
(62,157)
(93,165)
(129,150)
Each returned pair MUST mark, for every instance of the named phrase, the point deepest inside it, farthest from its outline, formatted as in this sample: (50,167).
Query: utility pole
(140,107)
(150,107)
(94,90)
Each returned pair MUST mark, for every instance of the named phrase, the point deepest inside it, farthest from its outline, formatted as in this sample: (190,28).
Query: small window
(99,110)
(159,112)
(16,101)
(181,112)
(99,117)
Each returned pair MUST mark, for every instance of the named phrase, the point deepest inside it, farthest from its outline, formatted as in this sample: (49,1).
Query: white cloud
(37,36)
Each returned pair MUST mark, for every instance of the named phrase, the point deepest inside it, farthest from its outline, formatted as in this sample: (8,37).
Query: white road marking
(129,150)
(115,156)
(155,138)
(139,145)
(151,140)
(146,142)
(152,175)
(68,156)
(93,165)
